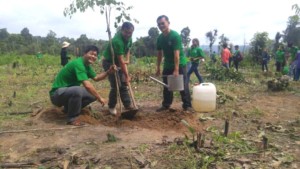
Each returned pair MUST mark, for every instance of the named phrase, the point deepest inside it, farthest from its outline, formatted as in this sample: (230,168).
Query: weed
(111,138)
(143,147)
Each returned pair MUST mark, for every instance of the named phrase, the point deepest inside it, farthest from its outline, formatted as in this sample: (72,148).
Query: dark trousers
(168,95)
(297,74)
(194,68)
(264,65)
(113,88)
(73,99)
(279,66)
(236,64)
(230,61)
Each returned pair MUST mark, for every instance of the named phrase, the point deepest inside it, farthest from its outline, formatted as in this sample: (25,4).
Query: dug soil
(46,141)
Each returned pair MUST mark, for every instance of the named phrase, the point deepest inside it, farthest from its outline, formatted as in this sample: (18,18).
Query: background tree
(211,36)
(223,40)
(292,32)
(296,8)
(185,36)
(257,44)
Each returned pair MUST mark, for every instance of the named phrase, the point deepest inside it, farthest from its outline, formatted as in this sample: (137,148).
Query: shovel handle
(131,95)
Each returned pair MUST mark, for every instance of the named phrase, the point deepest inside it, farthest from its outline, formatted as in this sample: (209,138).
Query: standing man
(292,59)
(121,44)
(169,46)
(237,57)
(63,53)
(66,90)
(225,56)
(280,59)
(265,60)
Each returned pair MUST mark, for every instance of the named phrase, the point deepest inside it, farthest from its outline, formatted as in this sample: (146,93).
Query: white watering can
(175,83)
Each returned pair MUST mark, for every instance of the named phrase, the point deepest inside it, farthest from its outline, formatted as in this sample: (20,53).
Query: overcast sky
(237,19)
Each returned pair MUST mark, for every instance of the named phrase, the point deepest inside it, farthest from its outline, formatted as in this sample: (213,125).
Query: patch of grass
(143,147)
(111,138)
(255,112)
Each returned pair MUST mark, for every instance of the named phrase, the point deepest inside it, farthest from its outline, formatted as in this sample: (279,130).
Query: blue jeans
(194,68)
(297,74)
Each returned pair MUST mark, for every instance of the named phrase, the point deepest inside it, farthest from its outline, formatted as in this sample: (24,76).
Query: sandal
(76,123)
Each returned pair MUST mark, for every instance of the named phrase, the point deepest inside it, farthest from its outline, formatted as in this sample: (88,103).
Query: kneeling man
(66,90)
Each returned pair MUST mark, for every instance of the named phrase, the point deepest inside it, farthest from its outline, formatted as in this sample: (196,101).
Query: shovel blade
(130,114)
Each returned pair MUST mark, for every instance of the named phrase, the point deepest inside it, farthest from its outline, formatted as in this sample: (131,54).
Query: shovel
(130,114)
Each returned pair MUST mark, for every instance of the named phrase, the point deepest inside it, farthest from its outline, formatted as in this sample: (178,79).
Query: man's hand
(176,73)
(158,72)
(102,101)
(112,69)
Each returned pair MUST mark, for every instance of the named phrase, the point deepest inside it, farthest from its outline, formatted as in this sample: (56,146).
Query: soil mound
(146,118)
(56,115)
(149,119)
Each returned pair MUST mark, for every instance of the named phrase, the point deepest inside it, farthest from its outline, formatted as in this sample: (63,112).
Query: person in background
(63,54)
(265,60)
(39,55)
(121,42)
(297,72)
(225,56)
(195,53)
(66,90)
(231,56)
(292,59)
(170,48)
(280,59)
(213,57)
(237,57)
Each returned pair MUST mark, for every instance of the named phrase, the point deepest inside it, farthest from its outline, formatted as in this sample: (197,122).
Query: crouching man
(66,90)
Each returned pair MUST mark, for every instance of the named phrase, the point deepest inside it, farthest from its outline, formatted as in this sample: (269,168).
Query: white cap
(65,44)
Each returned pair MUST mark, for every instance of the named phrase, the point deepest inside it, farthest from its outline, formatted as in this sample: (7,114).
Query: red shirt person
(225,56)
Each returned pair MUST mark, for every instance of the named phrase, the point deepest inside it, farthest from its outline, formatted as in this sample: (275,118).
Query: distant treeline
(26,43)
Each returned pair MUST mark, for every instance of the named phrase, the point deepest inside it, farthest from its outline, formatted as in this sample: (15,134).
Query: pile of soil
(56,115)
(278,84)
(146,118)
(149,119)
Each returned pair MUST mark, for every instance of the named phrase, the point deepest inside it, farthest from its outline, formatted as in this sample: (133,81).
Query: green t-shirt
(280,56)
(196,52)
(120,46)
(293,52)
(168,44)
(39,55)
(72,75)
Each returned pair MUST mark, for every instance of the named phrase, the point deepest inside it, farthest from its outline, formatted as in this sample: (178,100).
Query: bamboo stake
(117,78)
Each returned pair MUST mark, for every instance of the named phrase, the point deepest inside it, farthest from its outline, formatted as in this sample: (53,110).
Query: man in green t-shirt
(169,46)
(237,57)
(66,90)
(121,44)
(280,59)
(292,59)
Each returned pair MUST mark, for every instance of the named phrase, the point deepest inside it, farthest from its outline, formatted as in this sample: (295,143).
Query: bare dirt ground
(144,141)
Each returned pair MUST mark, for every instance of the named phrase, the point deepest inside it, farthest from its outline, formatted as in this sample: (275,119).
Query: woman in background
(195,53)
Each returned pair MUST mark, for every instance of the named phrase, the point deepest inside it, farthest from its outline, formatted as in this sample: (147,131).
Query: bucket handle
(205,84)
